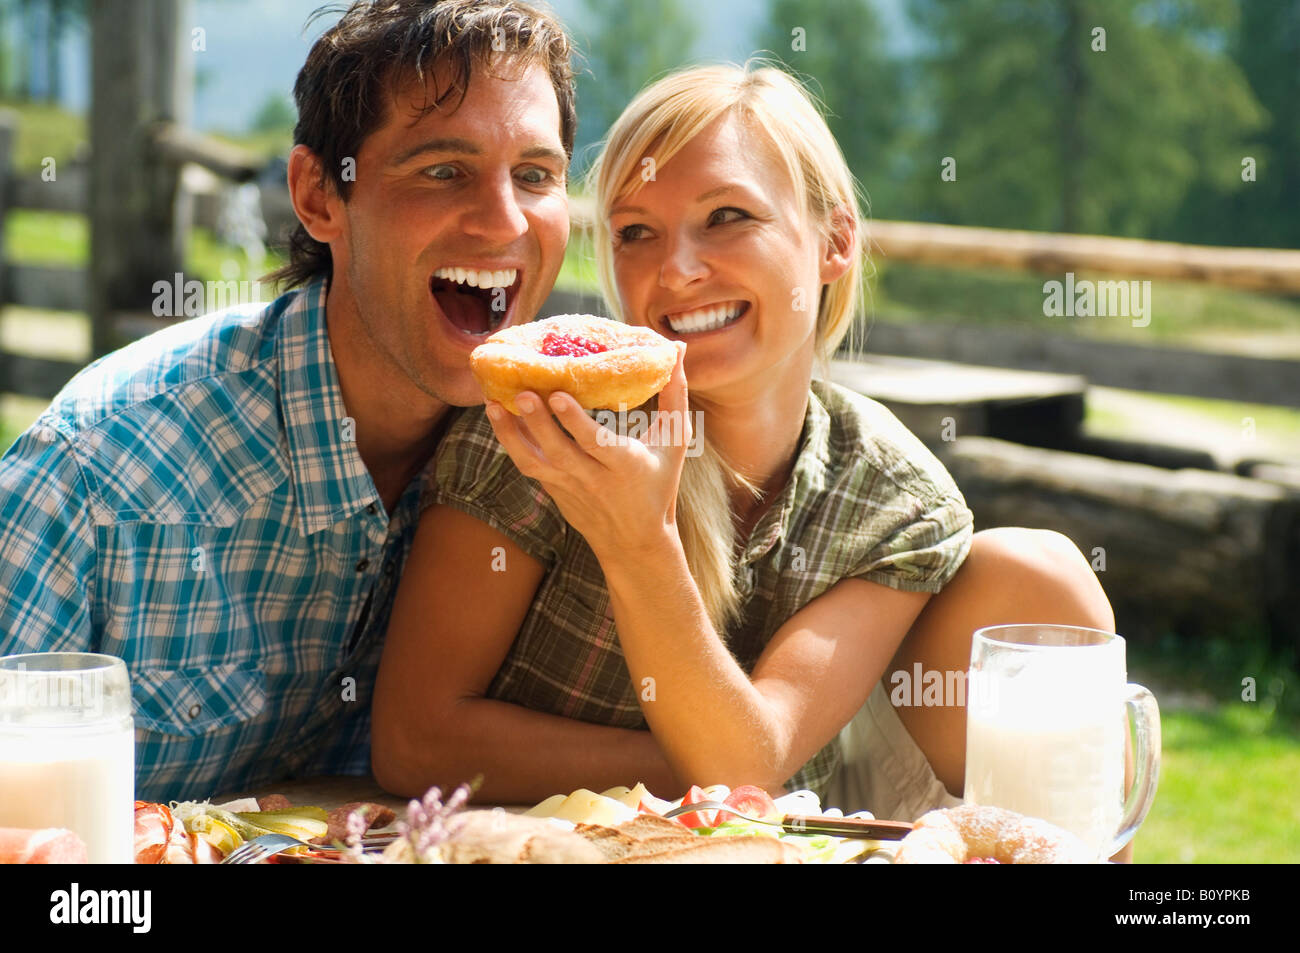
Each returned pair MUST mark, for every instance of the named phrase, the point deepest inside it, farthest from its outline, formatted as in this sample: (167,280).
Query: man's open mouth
(475,301)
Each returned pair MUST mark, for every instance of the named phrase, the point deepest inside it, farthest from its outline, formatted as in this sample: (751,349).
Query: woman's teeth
(478,279)
(705,319)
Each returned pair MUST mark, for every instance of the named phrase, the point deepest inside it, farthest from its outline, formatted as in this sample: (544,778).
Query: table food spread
(618,826)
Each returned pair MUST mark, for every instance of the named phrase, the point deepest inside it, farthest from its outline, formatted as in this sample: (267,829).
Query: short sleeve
(474,474)
(47,547)
(923,552)
(907,526)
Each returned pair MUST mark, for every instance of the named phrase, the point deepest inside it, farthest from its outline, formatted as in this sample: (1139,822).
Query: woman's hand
(620,493)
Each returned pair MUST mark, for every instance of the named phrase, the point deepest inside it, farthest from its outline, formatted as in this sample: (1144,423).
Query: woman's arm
(453,621)
(717,725)
(714,723)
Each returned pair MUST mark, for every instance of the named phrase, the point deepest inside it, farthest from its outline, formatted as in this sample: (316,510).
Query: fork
(260,848)
(810,823)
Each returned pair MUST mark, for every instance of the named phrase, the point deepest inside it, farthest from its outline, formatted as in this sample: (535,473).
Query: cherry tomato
(754,801)
(697,818)
(649,804)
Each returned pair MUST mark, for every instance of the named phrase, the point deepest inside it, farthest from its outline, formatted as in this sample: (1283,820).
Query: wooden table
(334,791)
(326,792)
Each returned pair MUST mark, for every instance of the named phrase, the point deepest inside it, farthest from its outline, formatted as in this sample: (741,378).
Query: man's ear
(840,251)
(317,205)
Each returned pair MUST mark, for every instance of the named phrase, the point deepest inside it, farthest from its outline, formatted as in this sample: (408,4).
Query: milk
(80,780)
(1045,738)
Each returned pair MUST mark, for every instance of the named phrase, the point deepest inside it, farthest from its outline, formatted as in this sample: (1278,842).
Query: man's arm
(47,547)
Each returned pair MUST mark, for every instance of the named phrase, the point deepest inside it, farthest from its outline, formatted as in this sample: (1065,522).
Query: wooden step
(940,401)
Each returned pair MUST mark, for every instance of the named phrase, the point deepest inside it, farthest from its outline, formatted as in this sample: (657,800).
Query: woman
(748,618)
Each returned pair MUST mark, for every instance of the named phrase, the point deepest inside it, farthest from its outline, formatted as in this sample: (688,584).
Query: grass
(1181,312)
(46,130)
(1227,791)
(1229,765)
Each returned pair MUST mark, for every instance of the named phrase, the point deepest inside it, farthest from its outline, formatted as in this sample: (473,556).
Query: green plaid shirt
(865,500)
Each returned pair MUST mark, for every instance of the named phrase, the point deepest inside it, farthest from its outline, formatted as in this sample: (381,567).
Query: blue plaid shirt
(195,504)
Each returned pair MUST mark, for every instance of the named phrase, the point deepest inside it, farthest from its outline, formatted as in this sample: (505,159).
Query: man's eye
(630,233)
(443,173)
(535,176)
(722,216)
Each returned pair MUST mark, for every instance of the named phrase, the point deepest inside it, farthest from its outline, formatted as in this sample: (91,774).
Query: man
(227,504)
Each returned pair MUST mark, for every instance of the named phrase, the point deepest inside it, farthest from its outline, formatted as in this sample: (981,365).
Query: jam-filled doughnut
(601,363)
(971,835)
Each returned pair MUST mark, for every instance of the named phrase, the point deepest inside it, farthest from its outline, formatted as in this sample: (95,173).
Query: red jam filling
(557,344)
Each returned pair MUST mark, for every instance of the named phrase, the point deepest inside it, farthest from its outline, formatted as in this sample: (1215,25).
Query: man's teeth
(478,279)
(705,319)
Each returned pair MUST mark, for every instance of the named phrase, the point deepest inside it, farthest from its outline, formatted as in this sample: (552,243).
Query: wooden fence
(167,146)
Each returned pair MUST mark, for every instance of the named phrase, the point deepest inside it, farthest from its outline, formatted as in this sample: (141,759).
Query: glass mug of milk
(1046,728)
(67,749)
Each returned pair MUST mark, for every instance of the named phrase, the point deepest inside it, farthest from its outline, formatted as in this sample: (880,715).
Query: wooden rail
(1272,270)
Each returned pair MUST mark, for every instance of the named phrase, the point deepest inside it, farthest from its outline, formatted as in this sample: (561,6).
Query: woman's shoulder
(895,514)
(864,440)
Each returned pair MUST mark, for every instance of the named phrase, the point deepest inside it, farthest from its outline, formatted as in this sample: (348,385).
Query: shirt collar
(330,480)
(807,478)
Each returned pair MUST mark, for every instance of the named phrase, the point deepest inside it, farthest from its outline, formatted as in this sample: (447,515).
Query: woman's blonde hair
(656,125)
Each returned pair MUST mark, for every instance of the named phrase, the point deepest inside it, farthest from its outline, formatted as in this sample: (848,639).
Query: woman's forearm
(522,755)
(712,723)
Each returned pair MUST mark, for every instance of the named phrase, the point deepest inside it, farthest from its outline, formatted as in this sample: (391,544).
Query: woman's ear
(317,205)
(840,252)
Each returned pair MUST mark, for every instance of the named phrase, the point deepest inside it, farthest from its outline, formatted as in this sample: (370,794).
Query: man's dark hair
(379,46)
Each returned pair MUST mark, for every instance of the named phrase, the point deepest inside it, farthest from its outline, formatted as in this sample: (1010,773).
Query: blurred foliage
(623,47)
(1263,212)
(1050,132)
(46,130)
(31,46)
(841,57)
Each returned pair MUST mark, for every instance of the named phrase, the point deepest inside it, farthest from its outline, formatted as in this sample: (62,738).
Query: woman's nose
(495,216)
(683,265)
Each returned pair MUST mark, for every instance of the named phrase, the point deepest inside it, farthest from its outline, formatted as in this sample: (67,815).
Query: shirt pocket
(189,702)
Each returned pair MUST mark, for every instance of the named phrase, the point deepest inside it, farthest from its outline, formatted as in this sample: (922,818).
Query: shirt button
(363,565)
(388,568)
(372,509)
(194,711)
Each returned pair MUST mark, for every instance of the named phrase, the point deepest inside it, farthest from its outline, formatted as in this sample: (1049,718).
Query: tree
(1080,115)
(838,48)
(625,46)
(276,114)
(1262,210)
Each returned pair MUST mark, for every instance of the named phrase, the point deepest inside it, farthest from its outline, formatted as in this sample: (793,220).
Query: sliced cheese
(584,807)
(548,807)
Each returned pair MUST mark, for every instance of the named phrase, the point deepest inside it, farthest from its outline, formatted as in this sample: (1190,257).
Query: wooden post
(8,137)
(134,241)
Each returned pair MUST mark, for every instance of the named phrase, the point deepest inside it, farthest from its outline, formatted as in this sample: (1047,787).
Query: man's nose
(683,264)
(496,215)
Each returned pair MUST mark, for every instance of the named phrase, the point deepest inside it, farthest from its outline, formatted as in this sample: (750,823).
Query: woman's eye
(443,173)
(630,233)
(724,215)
